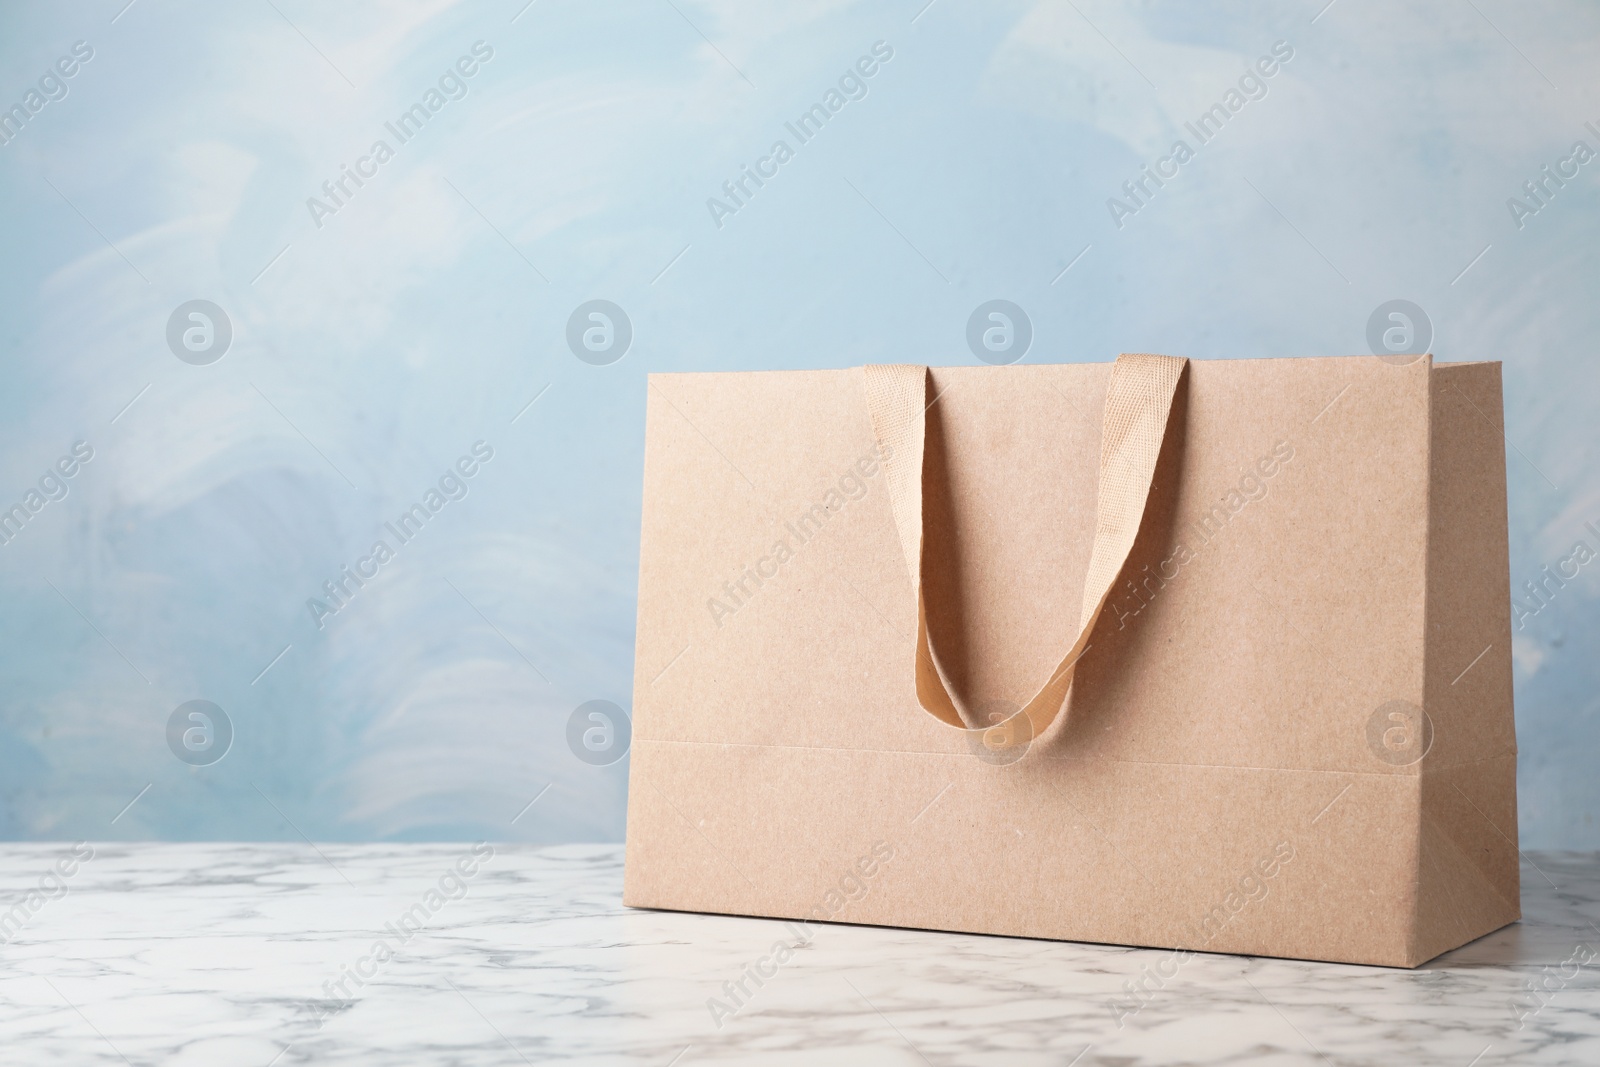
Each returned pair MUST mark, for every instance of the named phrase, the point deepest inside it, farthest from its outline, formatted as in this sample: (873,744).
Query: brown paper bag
(1200,655)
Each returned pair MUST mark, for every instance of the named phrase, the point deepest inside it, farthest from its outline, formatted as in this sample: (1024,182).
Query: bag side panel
(1468,866)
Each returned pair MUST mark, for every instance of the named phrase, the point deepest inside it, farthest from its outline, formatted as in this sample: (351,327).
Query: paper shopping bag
(1205,655)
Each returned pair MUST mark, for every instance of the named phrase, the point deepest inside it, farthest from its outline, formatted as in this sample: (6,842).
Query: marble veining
(258,955)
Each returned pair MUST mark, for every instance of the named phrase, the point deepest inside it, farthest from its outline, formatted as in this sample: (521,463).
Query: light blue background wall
(370,353)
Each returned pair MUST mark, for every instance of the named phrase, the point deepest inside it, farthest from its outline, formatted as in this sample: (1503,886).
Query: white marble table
(234,954)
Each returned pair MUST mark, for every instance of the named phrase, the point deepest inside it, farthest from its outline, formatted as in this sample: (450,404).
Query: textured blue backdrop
(385,324)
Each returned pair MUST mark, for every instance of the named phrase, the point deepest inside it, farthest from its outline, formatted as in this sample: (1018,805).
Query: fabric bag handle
(1138,403)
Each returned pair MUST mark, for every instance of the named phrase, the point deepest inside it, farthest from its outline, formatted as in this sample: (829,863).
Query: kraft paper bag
(1202,655)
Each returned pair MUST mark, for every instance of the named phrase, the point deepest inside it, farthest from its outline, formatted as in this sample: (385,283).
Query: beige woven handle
(1137,405)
